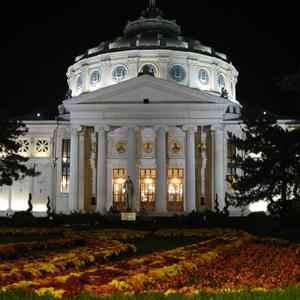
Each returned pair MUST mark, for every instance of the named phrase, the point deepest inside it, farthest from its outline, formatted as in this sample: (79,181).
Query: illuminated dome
(153,44)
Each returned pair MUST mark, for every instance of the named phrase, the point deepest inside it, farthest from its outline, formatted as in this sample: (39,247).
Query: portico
(169,156)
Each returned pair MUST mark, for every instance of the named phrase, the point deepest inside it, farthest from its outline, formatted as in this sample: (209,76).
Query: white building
(148,104)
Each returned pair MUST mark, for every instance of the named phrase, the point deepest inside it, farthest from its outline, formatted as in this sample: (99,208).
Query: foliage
(12,165)
(270,163)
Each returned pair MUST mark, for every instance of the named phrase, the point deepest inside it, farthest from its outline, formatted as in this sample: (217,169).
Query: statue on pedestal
(128,187)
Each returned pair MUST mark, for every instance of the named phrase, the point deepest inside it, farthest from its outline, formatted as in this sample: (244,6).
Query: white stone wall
(40,151)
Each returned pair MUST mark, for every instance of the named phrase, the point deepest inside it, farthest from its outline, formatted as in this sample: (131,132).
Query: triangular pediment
(146,87)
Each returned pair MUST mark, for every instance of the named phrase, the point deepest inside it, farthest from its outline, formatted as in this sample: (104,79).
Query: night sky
(40,41)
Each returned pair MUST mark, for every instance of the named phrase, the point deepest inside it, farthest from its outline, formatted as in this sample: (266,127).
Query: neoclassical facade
(151,104)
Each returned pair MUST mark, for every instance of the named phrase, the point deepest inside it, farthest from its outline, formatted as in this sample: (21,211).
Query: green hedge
(288,294)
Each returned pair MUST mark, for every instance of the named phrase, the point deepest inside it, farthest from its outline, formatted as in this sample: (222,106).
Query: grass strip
(290,293)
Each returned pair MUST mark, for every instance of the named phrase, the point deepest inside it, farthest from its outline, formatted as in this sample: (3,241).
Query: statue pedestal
(128,216)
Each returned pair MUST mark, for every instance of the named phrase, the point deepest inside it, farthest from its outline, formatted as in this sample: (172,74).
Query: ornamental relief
(24,149)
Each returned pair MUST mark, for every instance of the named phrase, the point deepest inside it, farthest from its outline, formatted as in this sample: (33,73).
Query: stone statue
(224,93)
(128,187)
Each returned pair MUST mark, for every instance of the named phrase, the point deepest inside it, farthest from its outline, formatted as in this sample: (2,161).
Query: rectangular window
(65,176)
(119,178)
(175,189)
(231,167)
(147,189)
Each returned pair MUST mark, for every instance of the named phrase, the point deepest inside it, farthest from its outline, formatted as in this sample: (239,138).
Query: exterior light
(120,180)
(175,180)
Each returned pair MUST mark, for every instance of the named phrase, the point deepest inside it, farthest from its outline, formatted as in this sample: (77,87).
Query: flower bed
(230,260)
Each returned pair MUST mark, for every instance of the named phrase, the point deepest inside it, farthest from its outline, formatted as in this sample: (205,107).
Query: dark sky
(40,41)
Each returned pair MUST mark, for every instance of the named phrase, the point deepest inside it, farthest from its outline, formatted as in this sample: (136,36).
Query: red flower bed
(231,260)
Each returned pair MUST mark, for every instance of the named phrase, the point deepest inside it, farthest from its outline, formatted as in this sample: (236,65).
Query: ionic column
(218,165)
(102,167)
(81,167)
(131,159)
(190,180)
(73,195)
(161,171)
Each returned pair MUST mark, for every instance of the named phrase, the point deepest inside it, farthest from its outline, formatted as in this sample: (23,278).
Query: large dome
(152,31)
(153,43)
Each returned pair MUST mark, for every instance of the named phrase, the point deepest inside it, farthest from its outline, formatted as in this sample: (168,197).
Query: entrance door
(147,189)
(175,190)
(119,178)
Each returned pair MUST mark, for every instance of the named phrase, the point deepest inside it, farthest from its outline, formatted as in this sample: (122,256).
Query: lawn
(168,263)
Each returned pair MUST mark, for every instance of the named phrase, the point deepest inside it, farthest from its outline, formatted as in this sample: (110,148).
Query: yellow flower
(120,285)
(50,290)
(170,291)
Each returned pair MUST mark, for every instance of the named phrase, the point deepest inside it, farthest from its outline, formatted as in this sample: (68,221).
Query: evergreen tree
(270,163)
(12,165)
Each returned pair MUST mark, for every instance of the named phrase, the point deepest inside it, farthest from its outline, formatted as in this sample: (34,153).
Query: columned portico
(74,168)
(101,167)
(219,179)
(161,179)
(190,168)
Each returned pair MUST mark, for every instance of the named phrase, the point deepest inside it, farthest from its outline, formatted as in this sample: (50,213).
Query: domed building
(151,104)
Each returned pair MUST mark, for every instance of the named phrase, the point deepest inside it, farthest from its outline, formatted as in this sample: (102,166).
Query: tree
(270,163)
(12,165)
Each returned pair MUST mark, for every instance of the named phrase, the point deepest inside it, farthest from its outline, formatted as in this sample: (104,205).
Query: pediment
(146,87)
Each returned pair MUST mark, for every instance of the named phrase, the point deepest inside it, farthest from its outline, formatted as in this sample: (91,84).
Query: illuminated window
(175,189)
(119,178)
(95,78)
(65,176)
(221,81)
(231,167)
(119,73)
(203,76)
(147,189)
(79,83)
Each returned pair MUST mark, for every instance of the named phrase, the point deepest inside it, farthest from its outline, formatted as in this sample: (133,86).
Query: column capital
(164,128)
(101,128)
(216,127)
(190,128)
(75,128)
(127,128)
